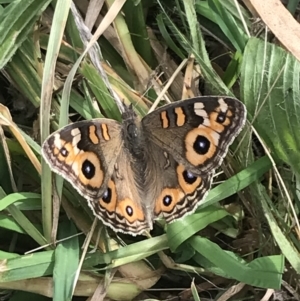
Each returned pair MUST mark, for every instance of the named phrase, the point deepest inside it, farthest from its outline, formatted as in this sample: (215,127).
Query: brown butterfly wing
(198,131)
(186,142)
(122,206)
(84,154)
(172,190)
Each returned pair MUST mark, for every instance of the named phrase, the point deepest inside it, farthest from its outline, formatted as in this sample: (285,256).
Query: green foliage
(225,238)
(270,89)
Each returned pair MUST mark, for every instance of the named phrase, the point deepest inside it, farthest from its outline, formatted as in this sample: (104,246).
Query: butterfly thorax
(132,135)
(134,143)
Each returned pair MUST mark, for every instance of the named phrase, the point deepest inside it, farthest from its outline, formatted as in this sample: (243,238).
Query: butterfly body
(135,171)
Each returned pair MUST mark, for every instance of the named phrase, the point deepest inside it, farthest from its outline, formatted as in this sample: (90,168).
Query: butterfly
(160,166)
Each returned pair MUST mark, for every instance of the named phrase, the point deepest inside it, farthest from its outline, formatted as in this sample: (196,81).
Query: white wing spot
(199,109)
(76,137)
(57,141)
(223,105)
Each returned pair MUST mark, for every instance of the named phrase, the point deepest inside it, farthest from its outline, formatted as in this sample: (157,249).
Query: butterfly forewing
(197,131)
(76,152)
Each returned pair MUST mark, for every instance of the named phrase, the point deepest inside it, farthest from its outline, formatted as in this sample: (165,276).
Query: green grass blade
(191,17)
(97,85)
(16,197)
(180,231)
(228,25)
(66,262)
(287,248)
(232,72)
(59,20)
(17,21)
(9,223)
(239,181)
(24,73)
(27,266)
(270,89)
(263,272)
(133,252)
(21,219)
(214,83)
(135,20)
(195,292)
(167,37)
